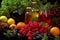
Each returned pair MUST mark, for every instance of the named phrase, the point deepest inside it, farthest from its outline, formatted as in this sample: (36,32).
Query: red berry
(45,30)
(35,24)
(31,25)
(48,21)
(29,34)
(30,22)
(41,31)
(29,28)
(29,38)
(24,32)
(21,30)
(26,26)
(36,29)
(40,25)
(33,35)
(33,30)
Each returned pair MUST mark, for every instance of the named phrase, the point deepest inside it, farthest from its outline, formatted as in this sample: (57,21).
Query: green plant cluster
(7,6)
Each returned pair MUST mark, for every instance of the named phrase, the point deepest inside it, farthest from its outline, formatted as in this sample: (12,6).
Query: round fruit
(20,25)
(11,21)
(3,18)
(54,31)
(59,31)
(3,25)
(12,26)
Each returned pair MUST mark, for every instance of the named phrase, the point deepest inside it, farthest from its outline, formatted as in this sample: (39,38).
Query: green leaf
(25,2)
(8,33)
(45,37)
(57,38)
(46,6)
(4,11)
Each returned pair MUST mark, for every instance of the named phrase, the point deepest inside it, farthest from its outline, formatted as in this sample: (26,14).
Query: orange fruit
(54,31)
(20,25)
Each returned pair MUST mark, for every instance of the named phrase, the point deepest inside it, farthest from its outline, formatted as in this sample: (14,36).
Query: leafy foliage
(9,5)
(4,11)
(9,33)
(45,37)
(57,38)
